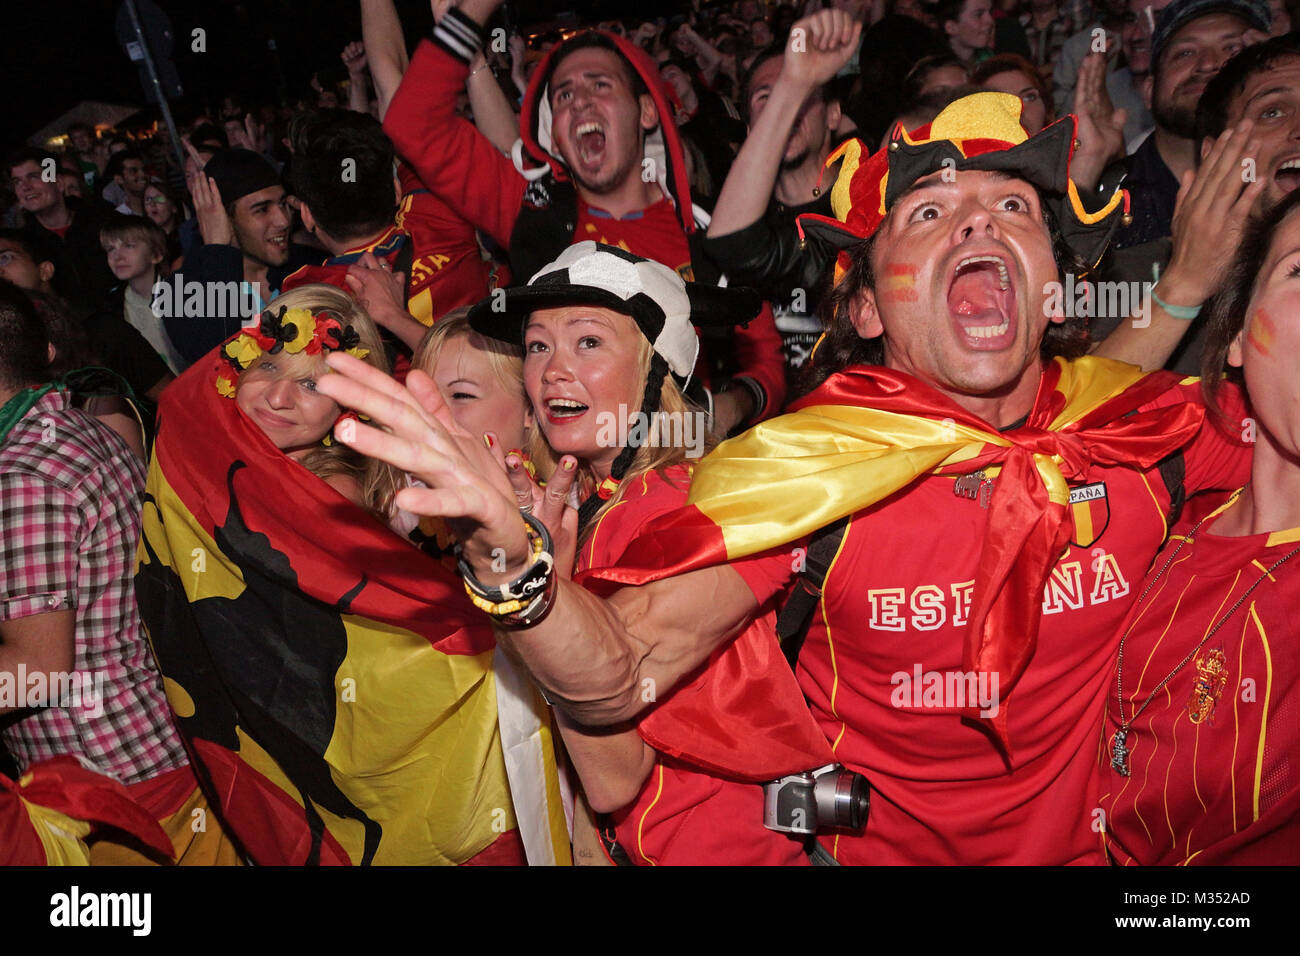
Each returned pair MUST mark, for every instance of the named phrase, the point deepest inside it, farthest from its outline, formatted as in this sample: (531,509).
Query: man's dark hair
(1226,309)
(72,348)
(24,346)
(37,249)
(1212,108)
(770,52)
(842,347)
(27,154)
(590,39)
(327,143)
(946,10)
(208,138)
(117,162)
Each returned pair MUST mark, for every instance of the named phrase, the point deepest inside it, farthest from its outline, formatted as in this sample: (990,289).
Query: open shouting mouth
(982,302)
(589,137)
(1287,175)
(560,411)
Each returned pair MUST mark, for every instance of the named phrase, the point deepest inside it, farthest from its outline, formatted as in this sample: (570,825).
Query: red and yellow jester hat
(977,132)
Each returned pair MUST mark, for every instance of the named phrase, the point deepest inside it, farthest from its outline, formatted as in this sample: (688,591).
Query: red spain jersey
(683,816)
(447,269)
(882,671)
(1212,758)
(435,247)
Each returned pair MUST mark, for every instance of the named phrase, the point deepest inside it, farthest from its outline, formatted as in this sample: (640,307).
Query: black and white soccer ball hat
(665,308)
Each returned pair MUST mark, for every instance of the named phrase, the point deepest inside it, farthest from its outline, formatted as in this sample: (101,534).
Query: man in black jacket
(779,175)
(245,220)
(67,225)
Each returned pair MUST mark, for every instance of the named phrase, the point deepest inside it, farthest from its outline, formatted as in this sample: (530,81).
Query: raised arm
(818,48)
(1212,209)
(600,660)
(493,115)
(706,55)
(385,49)
(452,158)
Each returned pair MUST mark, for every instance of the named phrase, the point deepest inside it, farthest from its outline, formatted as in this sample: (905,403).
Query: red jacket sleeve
(452,158)
(759,358)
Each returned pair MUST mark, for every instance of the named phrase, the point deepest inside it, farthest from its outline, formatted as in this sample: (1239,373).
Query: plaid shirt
(70,493)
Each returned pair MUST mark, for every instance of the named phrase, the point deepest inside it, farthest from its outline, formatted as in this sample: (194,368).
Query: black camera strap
(796,614)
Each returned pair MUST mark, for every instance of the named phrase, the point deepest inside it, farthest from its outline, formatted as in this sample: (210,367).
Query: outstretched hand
(1100,125)
(466,486)
(214,223)
(1210,213)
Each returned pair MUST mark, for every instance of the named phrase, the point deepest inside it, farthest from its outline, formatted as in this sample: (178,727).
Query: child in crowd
(136,248)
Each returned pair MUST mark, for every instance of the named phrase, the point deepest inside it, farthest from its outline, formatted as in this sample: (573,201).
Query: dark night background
(55,54)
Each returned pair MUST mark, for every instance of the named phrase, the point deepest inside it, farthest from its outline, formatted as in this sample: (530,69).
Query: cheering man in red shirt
(607,169)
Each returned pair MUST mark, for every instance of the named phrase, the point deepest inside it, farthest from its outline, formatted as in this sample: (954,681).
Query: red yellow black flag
(337,691)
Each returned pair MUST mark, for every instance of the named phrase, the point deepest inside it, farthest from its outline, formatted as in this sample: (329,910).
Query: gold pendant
(1211,677)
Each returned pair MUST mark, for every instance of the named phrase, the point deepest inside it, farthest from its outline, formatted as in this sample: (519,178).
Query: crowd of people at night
(824,433)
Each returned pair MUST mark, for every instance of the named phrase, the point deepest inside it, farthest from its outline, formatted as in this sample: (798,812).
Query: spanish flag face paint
(1263,333)
(957,264)
(1269,348)
(899,283)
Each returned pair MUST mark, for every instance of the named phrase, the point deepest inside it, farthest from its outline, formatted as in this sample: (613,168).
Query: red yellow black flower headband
(287,330)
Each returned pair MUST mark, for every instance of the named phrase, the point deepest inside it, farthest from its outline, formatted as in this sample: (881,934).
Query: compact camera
(829,797)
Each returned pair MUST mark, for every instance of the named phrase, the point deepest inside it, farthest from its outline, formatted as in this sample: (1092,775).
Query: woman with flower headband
(609,343)
(341,695)
(1202,728)
(272,377)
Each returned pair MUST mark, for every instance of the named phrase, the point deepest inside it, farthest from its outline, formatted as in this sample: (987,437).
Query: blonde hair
(505,360)
(379,481)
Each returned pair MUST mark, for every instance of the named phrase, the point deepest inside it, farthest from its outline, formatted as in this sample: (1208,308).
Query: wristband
(527,598)
(459,35)
(1184,313)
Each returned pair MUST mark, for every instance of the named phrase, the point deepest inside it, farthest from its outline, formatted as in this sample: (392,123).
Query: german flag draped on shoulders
(340,697)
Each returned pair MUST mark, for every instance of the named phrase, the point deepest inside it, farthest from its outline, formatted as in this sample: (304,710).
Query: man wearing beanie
(245,220)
